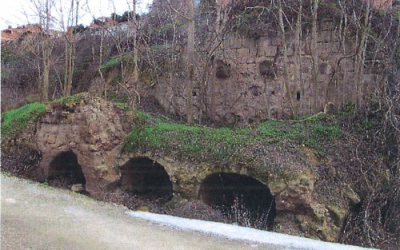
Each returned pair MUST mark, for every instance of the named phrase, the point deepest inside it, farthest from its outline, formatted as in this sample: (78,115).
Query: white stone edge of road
(241,233)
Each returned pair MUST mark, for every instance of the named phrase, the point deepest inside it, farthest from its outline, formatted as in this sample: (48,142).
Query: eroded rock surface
(93,131)
(90,129)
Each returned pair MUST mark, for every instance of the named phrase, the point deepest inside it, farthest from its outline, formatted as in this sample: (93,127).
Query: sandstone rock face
(296,204)
(246,82)
(85,137)
(93,131)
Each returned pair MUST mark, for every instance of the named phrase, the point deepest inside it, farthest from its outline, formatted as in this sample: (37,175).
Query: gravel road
(35,216)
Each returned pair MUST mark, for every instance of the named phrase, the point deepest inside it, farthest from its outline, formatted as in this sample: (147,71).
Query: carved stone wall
(86,136)
(246,80)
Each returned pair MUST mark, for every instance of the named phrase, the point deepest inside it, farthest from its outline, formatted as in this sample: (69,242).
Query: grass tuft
(14,121)
(223,145)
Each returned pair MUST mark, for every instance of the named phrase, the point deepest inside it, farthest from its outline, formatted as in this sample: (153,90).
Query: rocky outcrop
(90,129)
(293,183)
(81,140)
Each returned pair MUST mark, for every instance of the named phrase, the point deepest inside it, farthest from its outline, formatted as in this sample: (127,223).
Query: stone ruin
(78,146)
(245,83)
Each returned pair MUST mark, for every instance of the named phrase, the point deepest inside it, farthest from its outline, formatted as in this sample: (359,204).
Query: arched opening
(145,177)
(65,171)
(243,199)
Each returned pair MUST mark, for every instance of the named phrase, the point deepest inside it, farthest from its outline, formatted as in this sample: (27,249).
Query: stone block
(270,50)
(243,53)
(245,43)
(324,37)
(347,64)
(51,138)
(264,42)
(231,42)
(275,41)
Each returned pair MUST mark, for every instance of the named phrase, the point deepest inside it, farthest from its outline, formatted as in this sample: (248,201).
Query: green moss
(111,63)
(330,131)
(223,145)
(144,117)
(68,100)
(14,121)
(115,61)
(121,105)
(338,214)
(117,97)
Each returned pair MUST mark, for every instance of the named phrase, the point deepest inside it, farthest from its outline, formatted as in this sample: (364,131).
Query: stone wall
(87,135)
(246,83)
(91,129)
(293,186)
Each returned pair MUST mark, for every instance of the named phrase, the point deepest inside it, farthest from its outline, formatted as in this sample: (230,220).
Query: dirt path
(34,216)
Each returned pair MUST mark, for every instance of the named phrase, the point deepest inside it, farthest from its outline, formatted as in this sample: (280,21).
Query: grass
(111,63)
(114,61)
(65,100)
(14,121)
(197,143)
(224,145)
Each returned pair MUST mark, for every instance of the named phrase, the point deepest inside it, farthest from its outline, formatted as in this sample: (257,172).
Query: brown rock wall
(93,131)
(251,93)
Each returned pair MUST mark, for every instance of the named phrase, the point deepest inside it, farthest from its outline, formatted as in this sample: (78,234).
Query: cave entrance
(243,199)
(145,177)
(65,171)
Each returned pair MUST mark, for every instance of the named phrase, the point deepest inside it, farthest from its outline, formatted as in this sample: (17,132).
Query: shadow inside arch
(243,199)
(65,171)
(145,177)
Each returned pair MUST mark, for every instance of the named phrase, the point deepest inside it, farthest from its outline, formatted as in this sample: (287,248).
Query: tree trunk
(314,55)
(101,63)
(285,58)
(297,58)
(135,74)
(189,58)
(71,43)
(46,52)
(70,49)
(360,56)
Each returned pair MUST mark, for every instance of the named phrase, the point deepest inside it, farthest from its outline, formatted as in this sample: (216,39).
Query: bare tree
(364,29)
(44,12)
(314,52)
(286,77)
(190,59)
(70,47)
(135,51)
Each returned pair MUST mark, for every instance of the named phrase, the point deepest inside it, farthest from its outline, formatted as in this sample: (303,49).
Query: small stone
(143,209)
(77,188)
(351,195)
(299,218)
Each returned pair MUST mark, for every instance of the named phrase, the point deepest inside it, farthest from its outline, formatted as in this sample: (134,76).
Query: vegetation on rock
(14,121)
(357,146)
(227,145)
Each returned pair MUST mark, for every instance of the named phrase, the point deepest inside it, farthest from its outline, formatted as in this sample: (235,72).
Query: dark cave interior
(143,176)
(64,170)
(238,195)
